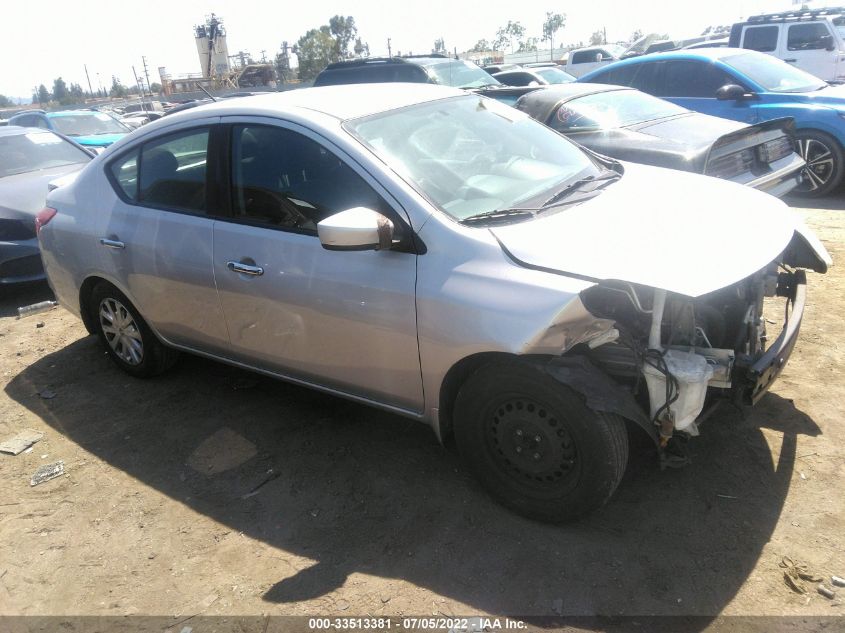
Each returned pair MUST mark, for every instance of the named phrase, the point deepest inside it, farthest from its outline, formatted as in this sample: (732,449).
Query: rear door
(338,319)
(155,238)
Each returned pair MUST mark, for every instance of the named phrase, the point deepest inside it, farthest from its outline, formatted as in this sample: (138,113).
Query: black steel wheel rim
(532,445)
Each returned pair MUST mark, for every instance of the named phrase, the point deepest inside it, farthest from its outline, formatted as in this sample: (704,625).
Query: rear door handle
(790,61)
(111,243)
(244,269)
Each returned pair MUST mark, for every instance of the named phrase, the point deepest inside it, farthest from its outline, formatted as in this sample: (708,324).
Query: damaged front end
(677,353)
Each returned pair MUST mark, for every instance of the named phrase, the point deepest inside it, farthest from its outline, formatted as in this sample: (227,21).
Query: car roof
(61,113)
(706,54)
(341,102)
(15,130)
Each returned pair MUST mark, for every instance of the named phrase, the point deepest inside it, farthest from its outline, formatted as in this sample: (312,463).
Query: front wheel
(825,163)
(127,338)
(534,444)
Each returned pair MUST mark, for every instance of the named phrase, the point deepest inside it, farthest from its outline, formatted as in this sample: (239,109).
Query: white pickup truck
(584,60)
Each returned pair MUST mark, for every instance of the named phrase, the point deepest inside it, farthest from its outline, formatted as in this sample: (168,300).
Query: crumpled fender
(599,390)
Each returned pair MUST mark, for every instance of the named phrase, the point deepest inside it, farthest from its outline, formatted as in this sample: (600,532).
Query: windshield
(85,124)
(472,155)
(33,151)
(460,74)
(773,74)
(608,110)
(554,75)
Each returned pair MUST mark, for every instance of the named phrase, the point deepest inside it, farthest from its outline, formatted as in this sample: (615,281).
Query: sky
(53,38)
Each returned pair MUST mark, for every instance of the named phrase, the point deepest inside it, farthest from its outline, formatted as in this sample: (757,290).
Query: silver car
(442,256)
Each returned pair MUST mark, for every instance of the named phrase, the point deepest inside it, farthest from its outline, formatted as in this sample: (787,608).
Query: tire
(130,343)
(534,444)
(825,163)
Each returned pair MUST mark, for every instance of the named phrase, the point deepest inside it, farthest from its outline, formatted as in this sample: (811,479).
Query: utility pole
(146,74)
(90,91)
(263,57)
(389,51)
(140,87)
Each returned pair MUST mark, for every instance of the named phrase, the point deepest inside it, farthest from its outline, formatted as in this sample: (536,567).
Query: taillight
(43,218)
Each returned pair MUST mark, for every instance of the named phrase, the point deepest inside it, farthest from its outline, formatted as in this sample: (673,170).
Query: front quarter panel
(471,299)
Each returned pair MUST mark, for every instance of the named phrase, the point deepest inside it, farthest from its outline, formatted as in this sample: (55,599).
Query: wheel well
(455,378)
(85,302)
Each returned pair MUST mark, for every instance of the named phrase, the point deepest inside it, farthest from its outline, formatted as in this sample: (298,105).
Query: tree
(117,88)
(481,46)
(507,35)
(361,49)
(528,45)
(315,50)
(77,94)
(343,29)
(597,38)
(155,87)
(439,46)
(43,95)
(554,22)
(60,92)
(716,30)
(636,35)
(5,102)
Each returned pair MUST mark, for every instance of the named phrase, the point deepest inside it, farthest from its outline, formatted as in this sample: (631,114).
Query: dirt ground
(214,491)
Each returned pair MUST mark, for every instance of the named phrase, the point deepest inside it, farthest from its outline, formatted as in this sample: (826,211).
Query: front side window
(36,150)
(283,179)
(516,79)
(761,38)
(470,155)
(808,37)
(586,57)
(173,171)
(693,79)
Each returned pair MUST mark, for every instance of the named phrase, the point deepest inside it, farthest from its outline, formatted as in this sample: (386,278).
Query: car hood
(98,140)
(27,193)
(681,232)
(830,96)
(692,129)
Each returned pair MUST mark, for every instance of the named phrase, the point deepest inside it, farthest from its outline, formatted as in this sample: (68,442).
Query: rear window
(609,110)
(371,73)
(761,38)
(34,151)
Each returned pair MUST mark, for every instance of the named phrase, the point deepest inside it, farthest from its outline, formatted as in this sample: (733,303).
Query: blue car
(750,87)
(94,130)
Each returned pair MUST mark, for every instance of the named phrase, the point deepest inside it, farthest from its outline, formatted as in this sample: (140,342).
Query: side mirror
(828,42)
(730,92)
(357,229)
(598,57)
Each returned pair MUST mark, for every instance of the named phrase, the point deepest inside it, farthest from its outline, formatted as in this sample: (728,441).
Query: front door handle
(244,269)
(111,243)
(790,61)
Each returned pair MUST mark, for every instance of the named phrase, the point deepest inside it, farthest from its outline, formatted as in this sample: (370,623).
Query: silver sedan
(442,256)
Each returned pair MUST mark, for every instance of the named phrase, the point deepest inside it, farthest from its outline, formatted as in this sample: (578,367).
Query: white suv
(812,40)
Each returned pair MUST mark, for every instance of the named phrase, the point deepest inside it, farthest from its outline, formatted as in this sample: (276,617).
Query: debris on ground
(39,324)
(20,442)
(35,308)
(836,580)
(47,394)
(795,573)
(827,593)
(47,472)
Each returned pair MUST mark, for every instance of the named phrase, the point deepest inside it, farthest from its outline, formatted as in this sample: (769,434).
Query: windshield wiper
(497,214)
(600,181)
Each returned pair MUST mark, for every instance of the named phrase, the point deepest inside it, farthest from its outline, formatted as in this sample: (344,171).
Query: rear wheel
(825,163)
(126,336)
(534,444)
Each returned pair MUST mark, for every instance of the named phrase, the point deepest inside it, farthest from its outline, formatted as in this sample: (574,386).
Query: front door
(807,48)
(343,320)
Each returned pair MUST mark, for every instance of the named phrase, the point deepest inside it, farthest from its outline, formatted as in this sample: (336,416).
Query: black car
(30,158)
(631,125)
(542,76)
(433,69)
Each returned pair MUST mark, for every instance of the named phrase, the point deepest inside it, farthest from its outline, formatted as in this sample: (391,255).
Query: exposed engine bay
(676,352)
